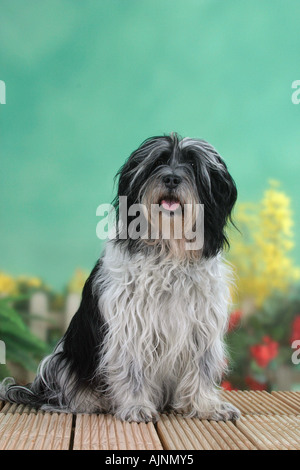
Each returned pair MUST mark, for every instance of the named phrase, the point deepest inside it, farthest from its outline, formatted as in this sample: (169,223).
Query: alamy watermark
(2,352)
(296,94)
(184,222)
(296,354)
(2,92)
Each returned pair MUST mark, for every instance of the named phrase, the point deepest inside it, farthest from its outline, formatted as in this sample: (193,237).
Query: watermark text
(296,93)
(2,92)
(2,352)
(296,354)
(185,222)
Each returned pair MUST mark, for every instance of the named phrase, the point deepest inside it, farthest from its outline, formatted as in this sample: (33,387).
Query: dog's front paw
(226,412)
(138,414)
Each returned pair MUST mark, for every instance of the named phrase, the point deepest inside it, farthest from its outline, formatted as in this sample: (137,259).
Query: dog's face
(171,174)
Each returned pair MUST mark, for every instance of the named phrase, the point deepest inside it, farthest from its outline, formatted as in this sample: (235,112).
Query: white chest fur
(160,314)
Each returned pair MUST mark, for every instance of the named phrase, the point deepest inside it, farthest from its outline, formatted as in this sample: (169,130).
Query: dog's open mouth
(169,204)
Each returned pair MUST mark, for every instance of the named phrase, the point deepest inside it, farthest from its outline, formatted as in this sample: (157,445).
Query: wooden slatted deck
(270,421)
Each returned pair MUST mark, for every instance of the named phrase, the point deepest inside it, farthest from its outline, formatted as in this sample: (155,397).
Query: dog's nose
(172,181)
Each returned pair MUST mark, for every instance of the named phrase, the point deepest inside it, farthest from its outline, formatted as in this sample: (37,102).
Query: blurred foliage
(266,296)
(22,347)
(20,285)
(260,343)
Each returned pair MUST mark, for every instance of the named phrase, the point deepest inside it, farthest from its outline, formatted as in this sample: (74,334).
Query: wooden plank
(198,440)
(111,431)
(39,440)
(150,436)
(201,432)
(58,432)
(261,404)
(238,399)
(266,433)
(131,441)
(290,425)
(103,438)
(21,431)
(220,428)
(167,437)
(178,433)
(15,408)
(7,407)
(214,433)
(105,432)
(120,434)
(183,433)
(269,421)
(62,434)
(95,433)
(136,441)
(278,406)
(240,440)
(289,399)
(296,395)
(271,432)
(276,429)
(251,434)
(35,431)
(82,432)
(252,402)
(7,423)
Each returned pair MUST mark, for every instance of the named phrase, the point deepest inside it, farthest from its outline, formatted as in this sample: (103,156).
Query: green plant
(22,347)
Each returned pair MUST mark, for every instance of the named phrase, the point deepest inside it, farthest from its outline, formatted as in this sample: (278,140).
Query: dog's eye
(159,162)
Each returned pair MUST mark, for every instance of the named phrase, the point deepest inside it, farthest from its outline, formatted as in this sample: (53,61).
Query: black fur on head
(188,170)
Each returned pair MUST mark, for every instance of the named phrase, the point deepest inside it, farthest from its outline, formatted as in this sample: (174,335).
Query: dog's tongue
(170,205)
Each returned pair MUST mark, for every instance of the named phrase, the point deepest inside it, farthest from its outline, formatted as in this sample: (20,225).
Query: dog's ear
(123,180)
(218,212)
(217,191)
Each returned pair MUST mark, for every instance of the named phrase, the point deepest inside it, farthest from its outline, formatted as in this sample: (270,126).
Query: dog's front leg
(130,394)
(197,394)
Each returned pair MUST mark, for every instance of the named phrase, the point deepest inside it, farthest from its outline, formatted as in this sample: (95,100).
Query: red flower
(234,320)
(295,329)
(254,385)
(226,385)
(264,353)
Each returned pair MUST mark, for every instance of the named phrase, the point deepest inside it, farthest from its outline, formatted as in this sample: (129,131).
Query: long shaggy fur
(148,335)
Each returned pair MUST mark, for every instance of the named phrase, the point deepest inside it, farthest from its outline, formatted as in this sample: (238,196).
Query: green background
(87,81)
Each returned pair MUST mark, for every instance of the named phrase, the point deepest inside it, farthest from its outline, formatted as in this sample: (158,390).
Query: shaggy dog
(148,335)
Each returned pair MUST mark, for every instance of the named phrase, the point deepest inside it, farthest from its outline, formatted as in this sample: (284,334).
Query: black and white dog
(148,335)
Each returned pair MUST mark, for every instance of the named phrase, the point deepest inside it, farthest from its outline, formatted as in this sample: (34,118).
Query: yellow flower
(261,256)
(8,285)
(29,282)
(34,282)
